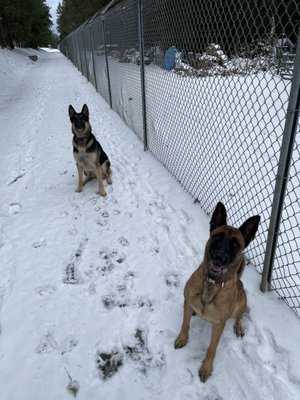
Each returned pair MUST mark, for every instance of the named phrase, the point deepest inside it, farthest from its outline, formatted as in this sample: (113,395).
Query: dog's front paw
(205,371)
(181,341)
(239,329)
(78,190)
(103,194)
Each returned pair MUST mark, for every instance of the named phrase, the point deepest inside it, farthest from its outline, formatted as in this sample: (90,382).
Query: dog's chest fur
(207,306)
(86,159)
(212,302)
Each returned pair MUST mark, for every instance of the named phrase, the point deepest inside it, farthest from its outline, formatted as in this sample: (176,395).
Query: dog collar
(213,281)
(82,139)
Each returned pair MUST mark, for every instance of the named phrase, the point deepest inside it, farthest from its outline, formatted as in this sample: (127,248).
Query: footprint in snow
(45,290)
(172,280)
(123,241)
(111,302)
(136,352)
(154,250)
(110,259)
(71,275)
(140,354)
(151,246)
(40,243)
(68,344)
(108,364)
(120,301)
(103,220)
(131,184)
(50,187)
(14,208)
(29,159)
(148,211)
(47,344)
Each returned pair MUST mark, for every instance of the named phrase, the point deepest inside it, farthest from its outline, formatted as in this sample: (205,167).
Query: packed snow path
(94,286)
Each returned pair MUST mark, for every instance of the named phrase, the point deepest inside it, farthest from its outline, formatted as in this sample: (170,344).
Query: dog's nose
(219,258)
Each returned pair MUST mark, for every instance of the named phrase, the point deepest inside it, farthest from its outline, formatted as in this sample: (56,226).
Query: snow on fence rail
(200,84)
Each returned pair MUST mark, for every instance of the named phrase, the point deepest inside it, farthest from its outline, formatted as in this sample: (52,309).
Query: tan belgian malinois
(215,291)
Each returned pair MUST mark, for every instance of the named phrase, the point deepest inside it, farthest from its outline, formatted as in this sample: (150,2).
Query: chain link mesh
(123,59)
(217,83)
(286,272)
(101,71)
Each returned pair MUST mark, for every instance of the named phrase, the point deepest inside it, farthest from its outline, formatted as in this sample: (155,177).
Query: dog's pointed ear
(219,217)
(85,110)
(249,229)
(71,111)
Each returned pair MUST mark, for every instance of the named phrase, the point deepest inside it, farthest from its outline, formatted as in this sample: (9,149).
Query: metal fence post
(106,57)
(75,57)
(79,51)
(142,70)
(288,141)
(93,58)
(85,59)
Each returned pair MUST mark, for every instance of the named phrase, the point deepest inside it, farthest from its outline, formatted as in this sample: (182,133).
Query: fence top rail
(108,6)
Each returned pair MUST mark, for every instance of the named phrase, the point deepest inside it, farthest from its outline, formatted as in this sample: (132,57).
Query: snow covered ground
(91,286)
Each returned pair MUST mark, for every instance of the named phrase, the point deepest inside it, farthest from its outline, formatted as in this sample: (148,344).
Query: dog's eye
(218,236)
(234,243)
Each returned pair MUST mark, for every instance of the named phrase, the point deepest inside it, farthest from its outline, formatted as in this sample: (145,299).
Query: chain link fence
(205,86)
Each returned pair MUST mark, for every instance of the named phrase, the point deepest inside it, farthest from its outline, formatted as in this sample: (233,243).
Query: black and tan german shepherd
(215,291)
(89,155)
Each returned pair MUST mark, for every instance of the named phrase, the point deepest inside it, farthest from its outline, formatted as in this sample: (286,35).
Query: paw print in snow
(110,259)
(108,364)
(71,274)
(172,280)
(47,344)
(123,241)
(14,208)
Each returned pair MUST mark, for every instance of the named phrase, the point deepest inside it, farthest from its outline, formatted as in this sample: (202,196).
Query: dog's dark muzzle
(79,123)
(218,261)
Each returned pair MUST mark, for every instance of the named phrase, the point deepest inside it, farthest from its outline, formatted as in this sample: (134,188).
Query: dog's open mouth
(215,268)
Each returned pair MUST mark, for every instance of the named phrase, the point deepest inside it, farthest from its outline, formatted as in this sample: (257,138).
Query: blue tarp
(169,60)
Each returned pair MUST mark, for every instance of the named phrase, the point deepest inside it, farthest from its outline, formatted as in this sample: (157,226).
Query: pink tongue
(216,268)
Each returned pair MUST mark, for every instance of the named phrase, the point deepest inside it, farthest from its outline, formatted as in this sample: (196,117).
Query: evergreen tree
(26,22)
(72,13)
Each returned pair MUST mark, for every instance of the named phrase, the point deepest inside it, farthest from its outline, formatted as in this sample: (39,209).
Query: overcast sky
(53,6)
